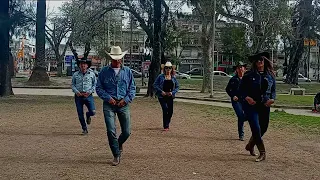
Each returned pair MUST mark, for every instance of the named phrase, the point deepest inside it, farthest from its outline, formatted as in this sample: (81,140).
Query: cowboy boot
(262,151)
(250,147)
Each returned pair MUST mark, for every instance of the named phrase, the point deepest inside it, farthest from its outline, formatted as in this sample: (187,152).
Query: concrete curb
(69,87)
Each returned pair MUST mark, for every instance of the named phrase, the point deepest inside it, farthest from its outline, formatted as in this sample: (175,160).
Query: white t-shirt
(116,70)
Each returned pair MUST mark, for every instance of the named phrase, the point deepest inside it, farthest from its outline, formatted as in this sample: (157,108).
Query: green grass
(278,119)
(294,100)
(221,83)
(306,124)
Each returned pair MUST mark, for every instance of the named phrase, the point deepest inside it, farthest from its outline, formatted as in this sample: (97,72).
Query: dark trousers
(258,117)
(89,102)
(237,106)
(167,110)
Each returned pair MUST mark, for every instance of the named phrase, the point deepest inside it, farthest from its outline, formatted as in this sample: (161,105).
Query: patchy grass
(294,100)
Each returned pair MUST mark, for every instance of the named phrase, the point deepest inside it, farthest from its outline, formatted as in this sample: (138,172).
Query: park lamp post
(214,3)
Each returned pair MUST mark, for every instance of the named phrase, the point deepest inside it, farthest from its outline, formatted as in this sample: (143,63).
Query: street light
(214,2)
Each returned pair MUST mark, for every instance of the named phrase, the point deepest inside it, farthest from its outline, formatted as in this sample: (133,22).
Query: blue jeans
(89,102)
(237,106)
(258,117)
(167,110)
(123,114)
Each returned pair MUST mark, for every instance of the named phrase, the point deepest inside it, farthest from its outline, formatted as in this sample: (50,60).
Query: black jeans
(167,110)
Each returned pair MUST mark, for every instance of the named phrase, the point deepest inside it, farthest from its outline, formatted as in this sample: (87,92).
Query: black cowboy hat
(240,63)
(83,60)
(259,56)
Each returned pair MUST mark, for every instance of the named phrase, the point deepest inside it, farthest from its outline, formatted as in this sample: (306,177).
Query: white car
(301,78)
(221,73)
(180,75)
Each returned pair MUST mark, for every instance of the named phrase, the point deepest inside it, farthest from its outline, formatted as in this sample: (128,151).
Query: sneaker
(88,120)
(84,132)
(116,161)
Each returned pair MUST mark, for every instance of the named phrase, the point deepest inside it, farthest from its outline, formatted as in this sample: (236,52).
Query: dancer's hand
(269,102)
(112,102)
(163,93)
(85,94)
(235,98)
(79,94)
(122,103)
(250,100)
(169,93)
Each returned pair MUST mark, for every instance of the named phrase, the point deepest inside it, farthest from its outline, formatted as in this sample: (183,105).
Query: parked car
(301,78)
(221,73)
(180,75)
(136,74)
(195,71)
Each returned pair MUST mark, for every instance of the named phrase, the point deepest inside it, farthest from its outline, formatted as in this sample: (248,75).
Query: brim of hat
(117,57)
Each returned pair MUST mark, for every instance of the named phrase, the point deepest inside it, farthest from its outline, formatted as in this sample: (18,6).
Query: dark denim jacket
(232,88)
(158,85)
(259,87)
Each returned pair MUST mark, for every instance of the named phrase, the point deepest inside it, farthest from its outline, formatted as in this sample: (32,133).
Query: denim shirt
(121,86)
(232,88)
(259,87)
(158,85)
(84,82)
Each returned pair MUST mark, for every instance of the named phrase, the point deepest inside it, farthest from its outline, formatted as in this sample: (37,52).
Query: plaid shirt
(84,82)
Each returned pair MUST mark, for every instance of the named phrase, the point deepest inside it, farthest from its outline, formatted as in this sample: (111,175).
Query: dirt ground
(40,139)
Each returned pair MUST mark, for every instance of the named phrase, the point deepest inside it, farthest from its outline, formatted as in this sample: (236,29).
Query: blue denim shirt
(121,86)
(84,82)
(232,88)
(259,87)
(158,85)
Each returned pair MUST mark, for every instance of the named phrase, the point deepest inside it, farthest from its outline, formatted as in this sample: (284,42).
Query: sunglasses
(167,67)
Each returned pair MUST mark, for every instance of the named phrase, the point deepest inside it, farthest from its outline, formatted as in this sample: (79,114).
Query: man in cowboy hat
(83,85)
(116,87)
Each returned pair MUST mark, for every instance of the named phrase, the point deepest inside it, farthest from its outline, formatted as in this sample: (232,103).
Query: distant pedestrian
(83,85)
(233,91)
(116,87)
(316,103)
(166,87)
(258,88)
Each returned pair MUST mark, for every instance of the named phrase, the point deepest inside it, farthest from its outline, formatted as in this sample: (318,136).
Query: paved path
(68,92)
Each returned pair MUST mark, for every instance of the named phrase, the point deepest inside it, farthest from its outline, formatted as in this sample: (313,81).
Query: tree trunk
(5,75)
(39,73)
(295,56)
(59,66)
(205,63)
(156,55)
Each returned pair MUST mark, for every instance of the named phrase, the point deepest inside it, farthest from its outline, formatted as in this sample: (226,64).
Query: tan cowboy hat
(116,53)
(168,64)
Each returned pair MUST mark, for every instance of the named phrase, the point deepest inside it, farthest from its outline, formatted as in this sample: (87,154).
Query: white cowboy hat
(168,64)
(116,53)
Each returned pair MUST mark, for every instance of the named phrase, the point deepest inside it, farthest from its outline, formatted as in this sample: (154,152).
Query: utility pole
(214,2)
(131,27)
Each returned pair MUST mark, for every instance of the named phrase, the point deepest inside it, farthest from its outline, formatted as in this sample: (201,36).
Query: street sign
(146,65)
(310,42)
(68,60)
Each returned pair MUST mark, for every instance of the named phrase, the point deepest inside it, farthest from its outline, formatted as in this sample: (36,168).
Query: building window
(196,27)
(185,27)
(196,41)
(135,49)
(186,53)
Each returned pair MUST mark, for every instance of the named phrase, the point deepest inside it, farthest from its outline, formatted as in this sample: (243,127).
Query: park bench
(297,91)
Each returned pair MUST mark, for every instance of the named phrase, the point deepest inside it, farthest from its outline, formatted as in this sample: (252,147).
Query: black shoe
(116,161)
(84,132)
(241,138)
(88,120)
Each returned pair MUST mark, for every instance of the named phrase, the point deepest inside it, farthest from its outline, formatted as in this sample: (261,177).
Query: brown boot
(250,147)
(262,151)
